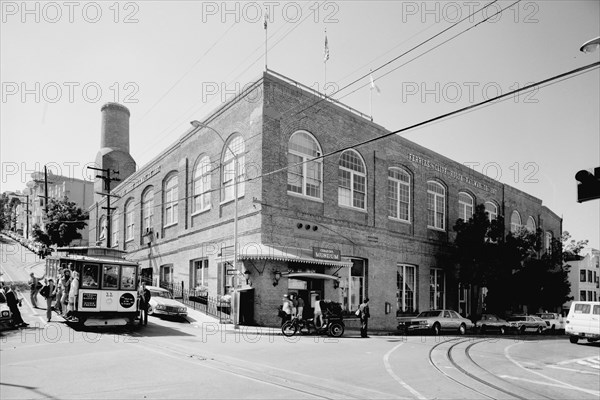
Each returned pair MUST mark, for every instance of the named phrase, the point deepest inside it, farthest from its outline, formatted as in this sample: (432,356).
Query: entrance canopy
(258,251)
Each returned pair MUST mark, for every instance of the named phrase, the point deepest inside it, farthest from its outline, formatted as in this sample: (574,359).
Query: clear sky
(171,62)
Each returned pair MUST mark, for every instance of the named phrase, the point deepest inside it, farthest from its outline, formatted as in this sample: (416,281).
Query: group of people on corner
(293,307)
(60,296)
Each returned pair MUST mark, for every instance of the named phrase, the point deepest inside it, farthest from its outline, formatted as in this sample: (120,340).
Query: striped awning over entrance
(259,251)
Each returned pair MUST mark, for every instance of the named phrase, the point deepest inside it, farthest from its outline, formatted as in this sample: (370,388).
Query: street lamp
(199,125)
(590,46)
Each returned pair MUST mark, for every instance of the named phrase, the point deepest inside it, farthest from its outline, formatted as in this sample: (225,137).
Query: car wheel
(573,339)
(539,330)
(522,330)
(462,329)
(150,310)
(502,330)
(436,329)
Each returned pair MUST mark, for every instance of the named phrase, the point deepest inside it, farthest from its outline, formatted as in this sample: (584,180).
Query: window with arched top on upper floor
(515,221)
(233,158)
(531,225)
(170,199)
(352,180)
(114,228)
(465,206)
(398,194)
(305,167)
(201,185)
(436,205)
(492,210)
(129,224)
(147,210)
(548,241)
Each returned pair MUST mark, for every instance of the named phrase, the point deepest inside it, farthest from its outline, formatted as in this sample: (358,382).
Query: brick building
(316,214)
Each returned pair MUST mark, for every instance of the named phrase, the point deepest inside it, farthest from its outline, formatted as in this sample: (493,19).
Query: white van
(583,321)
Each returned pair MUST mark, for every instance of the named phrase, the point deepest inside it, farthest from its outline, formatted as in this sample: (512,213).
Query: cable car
(108,284)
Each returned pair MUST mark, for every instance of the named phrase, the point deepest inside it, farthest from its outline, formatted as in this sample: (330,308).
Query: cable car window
(90,276)
(110,277)
(128,278)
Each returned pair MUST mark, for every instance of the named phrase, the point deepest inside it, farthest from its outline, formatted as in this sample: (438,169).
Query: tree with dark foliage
(62,222)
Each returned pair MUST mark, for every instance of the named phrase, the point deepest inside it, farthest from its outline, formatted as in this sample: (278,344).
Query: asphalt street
(200,358)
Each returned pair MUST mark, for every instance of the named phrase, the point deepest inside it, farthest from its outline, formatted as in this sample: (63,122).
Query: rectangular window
(406,287)
(89,276)
(590,295)
(582,276)
(590,276)
(582,295)
(110,277)
(582,308)
(166,274)
(115,230)
(128,277)
(199,273)
(344,191)
(596,310)
(294,183)
(437,286)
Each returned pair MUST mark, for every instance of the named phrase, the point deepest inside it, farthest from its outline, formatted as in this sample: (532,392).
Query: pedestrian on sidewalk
(145,296)
(13,304)
(50,291)
(364,317)
(34,287)
(287,309)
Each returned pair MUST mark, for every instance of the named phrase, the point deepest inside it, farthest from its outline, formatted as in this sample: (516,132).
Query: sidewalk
(203,321)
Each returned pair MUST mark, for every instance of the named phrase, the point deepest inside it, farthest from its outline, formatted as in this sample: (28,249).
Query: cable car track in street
(273,376)
(454,365)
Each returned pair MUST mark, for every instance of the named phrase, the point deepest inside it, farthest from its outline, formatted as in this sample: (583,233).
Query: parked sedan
(163,303)
(554,321)
(526,323)
(490,322)
(435,321)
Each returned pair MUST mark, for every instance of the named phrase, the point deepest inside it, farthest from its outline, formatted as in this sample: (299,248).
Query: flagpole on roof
(373,86)
(265,26)
(325,58)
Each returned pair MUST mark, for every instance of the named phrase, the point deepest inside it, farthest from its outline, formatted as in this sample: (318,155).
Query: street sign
(232,272)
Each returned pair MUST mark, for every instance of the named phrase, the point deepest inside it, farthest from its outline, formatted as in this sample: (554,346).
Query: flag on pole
(266,18)
(326,53)
(373,85)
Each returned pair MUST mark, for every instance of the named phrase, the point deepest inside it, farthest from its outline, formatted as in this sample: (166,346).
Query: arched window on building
(531,225)
(305,173)
(201,189)
(101,229)
(129,209)
(171,198)
(492,210)
(436,205)
(548,241)
(352,180)
(398,194)
(515,221)
(234,150)
(114,229)
(465,206)
(147,210)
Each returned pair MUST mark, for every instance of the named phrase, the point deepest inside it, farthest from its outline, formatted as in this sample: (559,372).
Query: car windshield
(428,314)
(165,294)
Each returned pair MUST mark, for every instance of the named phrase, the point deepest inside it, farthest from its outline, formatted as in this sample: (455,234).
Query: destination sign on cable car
(327,254)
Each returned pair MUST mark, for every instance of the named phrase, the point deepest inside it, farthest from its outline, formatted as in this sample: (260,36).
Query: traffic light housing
(589,186)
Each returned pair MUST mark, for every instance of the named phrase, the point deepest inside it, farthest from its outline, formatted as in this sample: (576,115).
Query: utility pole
(107,180)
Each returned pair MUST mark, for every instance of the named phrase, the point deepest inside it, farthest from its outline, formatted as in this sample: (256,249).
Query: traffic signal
(589,186)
